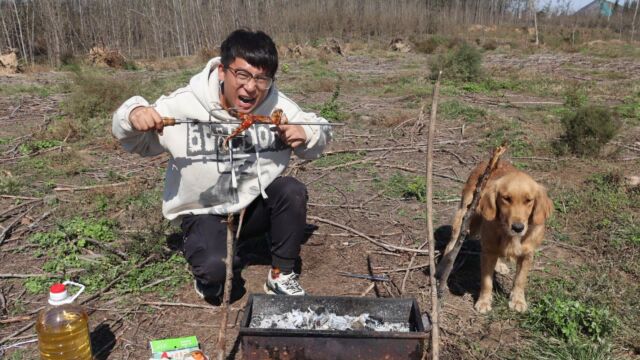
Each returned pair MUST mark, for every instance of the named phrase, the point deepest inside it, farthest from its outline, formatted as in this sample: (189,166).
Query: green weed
(455,109)
(70,254)
(570,319)
(406,187)
(64,247)
(35,146)
(330,110)
(10,185)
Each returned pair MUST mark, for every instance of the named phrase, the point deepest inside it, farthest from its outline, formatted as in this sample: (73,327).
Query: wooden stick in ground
(446,264)
(435,330)
(228,281)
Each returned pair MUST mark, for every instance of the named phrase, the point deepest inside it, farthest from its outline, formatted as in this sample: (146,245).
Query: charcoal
(321,319)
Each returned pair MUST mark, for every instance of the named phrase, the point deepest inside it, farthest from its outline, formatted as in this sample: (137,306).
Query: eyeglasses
(262,82)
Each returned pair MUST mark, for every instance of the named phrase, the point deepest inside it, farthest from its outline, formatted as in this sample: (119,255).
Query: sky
(575,4)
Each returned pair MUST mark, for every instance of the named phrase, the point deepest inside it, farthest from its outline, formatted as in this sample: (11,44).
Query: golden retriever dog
(510,219)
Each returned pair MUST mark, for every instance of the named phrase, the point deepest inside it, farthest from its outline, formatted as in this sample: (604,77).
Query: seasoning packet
(184,348)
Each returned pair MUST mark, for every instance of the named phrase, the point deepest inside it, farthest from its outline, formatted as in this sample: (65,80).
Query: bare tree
(4,27)
(161,28)
(534,13)
(23,49)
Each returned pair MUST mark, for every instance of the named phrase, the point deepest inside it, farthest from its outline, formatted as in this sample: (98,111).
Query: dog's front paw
(518,303)
(483,306)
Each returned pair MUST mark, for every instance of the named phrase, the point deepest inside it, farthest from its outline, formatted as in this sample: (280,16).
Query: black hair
(256,47)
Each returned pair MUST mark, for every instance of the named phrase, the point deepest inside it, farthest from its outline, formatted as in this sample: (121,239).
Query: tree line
(50,30)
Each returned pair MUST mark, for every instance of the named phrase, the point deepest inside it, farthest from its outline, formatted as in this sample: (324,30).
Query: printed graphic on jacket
(207,139)
(205,145)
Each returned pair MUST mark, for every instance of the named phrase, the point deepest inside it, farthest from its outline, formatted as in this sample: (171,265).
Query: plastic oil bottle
(63,328)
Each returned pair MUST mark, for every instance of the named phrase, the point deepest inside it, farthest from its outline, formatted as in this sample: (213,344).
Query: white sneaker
(281,284)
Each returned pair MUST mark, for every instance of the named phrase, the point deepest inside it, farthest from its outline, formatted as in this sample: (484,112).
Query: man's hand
(292,135)
(146,118)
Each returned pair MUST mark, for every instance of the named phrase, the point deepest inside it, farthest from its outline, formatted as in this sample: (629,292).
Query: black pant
(282,215)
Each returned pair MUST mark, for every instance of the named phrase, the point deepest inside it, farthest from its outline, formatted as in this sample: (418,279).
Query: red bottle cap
(58,294)
(57,288)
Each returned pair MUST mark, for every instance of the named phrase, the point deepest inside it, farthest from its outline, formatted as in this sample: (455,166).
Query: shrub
(490,44)
(462,64)
(589,129)
(429,45)
(575,97)
(95,94)
(130,65)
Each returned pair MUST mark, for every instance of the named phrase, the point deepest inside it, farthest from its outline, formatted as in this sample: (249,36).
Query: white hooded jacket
(202,176)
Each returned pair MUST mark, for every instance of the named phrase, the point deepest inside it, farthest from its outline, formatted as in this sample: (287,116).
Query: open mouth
(247,100)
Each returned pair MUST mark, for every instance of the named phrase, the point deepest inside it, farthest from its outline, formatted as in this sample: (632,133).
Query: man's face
(242,97)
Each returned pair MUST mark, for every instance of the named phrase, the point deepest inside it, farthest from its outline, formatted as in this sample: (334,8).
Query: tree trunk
(23,49)
(6,31)
(534,13)
(633,22)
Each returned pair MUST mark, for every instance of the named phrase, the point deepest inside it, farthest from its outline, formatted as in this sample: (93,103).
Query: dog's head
(517,201)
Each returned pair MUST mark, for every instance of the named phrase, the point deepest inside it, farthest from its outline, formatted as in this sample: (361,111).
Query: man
(207,180)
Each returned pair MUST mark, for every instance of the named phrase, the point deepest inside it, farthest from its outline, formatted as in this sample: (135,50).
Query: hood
(207,92)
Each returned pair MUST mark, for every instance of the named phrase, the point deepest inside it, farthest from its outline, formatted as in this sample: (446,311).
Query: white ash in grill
(320,319)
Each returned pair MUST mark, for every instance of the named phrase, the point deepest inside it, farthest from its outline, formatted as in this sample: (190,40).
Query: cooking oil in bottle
(63,327)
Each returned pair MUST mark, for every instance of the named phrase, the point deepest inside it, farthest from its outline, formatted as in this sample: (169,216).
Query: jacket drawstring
(254,138)
(234,180)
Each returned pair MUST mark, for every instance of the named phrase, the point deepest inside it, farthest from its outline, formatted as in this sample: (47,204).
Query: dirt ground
(382,126)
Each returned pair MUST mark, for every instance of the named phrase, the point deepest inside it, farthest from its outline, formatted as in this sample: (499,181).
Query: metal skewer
(169,121)
(364,276)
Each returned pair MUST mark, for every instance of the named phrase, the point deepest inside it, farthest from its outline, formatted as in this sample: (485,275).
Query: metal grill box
(285,344)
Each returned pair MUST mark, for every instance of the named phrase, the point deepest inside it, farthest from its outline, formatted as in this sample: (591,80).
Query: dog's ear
(542,208)
(487,204)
